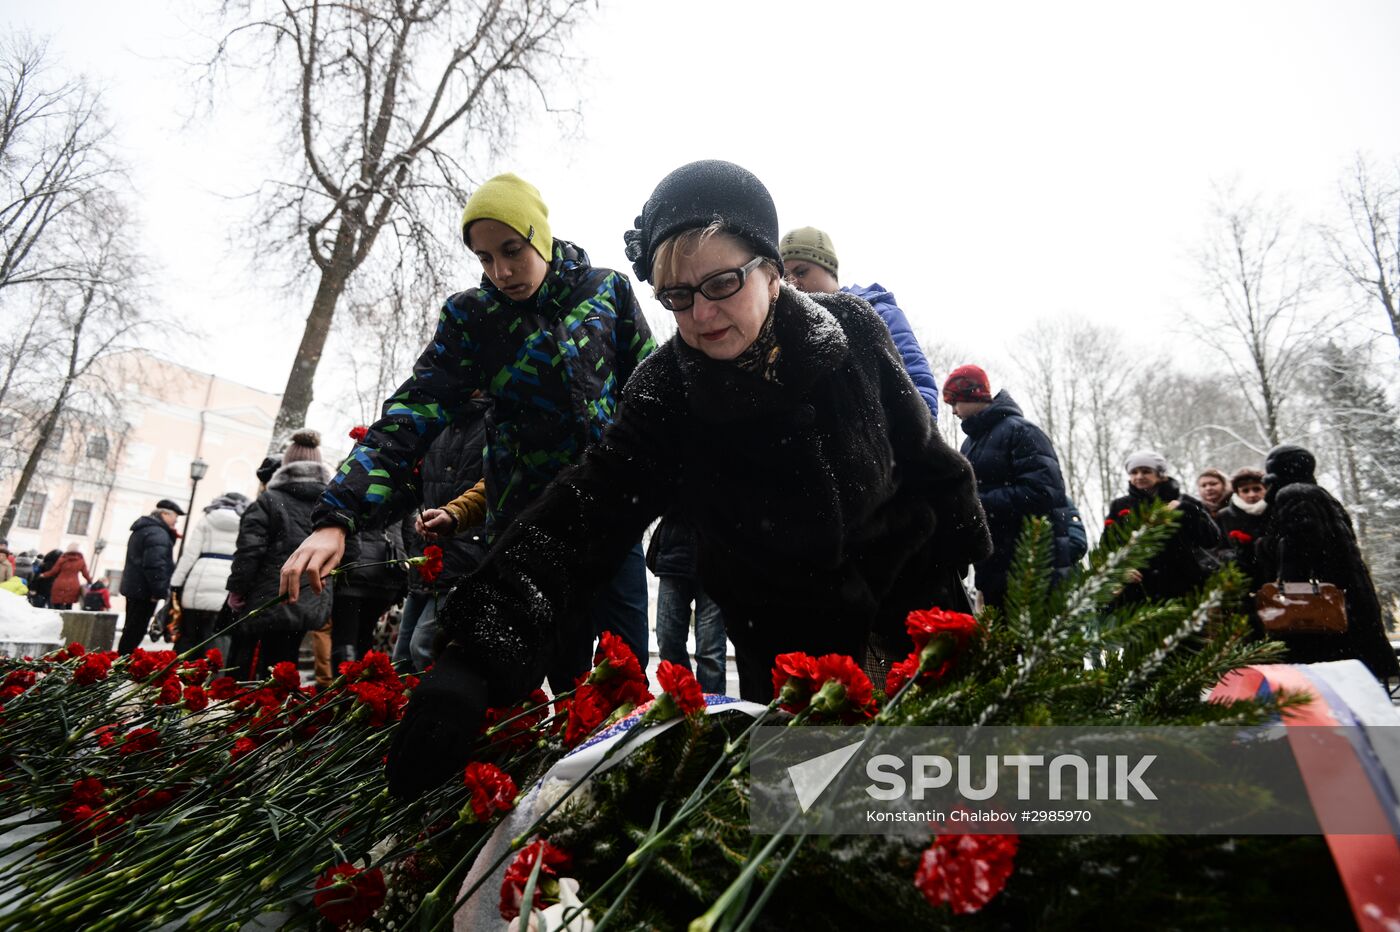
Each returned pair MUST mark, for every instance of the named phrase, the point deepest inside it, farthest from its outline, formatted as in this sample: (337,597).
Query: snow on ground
(22,623)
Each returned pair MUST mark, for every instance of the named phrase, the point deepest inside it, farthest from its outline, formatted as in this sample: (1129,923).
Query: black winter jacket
(1186,561)
(271,528)
(452,465)
(1018,477)
(825,504)
(1309,535)
(150,560)
(377,545)
(671,551)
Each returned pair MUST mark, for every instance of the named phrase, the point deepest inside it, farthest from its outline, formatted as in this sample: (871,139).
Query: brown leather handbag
(1301,608)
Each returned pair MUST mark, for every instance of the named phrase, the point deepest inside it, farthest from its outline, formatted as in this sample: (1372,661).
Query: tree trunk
(296,397)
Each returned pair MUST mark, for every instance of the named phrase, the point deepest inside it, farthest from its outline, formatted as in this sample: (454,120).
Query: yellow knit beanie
(808,244)
(512,200)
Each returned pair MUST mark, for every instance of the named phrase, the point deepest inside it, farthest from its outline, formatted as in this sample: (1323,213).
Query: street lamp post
(198,470)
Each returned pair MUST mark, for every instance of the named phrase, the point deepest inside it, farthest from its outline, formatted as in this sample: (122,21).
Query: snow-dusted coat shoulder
(824,502)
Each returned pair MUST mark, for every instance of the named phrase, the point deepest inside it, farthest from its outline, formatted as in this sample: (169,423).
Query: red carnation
(169,691)
(285,675)
(146,662)
(516,724)
(554,862)
(492,789)
(345,894)
(966,872)
(681,687)
(241,747)
(1241,537)
(1125,513)
(385,704)
(140,739)
(794,678)
(89,791)
(215,658)
(358,432)
(196,699)
(94,667)
(616,673)
(74,649)
(431,567)
(225,687)
(939,637)
(845,690)
(107,735)
(23,679)
(587,710)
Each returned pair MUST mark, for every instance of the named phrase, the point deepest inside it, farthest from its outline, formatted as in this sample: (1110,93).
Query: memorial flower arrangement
(152,789)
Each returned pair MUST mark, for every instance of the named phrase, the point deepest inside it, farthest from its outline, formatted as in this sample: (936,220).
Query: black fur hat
(696,195)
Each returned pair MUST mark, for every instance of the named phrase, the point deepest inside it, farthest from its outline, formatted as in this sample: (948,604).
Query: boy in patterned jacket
(552,341)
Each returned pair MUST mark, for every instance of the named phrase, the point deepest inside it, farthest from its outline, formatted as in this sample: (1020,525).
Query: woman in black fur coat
(1309,536)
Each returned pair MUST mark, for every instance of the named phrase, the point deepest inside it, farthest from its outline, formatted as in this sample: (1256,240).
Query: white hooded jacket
(204,567)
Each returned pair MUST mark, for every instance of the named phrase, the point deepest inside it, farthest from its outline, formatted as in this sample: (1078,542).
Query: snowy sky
(991,163)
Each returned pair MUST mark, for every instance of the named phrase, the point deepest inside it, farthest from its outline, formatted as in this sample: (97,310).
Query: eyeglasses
(720,285)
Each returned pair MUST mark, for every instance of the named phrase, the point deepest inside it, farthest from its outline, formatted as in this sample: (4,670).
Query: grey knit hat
(1149,458)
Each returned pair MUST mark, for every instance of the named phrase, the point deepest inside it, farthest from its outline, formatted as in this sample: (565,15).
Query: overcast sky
(991,163)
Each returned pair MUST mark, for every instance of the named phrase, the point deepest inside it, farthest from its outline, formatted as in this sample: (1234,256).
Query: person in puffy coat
(1018,473)
(67,590)
(784,429)
(810,265)
(200,582)
(270,529)
(1185,562)
(146,573)
(1308,536)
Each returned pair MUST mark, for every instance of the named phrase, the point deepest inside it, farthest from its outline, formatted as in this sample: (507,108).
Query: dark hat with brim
(166,504)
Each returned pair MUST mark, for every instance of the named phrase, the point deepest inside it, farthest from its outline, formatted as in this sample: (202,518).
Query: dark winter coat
(553,367)
(825,504)
(671,551)
(915,363)
(150,559)
(1240,533)
(1309,535)
(1185,562)
(271,528)
(377,545)
(67,590)
(1018,477)
(452,465)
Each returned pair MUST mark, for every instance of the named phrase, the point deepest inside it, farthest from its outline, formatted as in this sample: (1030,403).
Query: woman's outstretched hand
(318,555)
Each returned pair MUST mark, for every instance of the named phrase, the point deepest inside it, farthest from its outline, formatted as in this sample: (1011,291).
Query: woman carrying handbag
(1308,538)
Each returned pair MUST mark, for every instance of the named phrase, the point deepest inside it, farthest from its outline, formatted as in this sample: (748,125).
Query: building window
(97,447)
(31,510)
(78,520)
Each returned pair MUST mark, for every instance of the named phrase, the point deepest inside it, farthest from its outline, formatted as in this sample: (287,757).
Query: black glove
(434,741)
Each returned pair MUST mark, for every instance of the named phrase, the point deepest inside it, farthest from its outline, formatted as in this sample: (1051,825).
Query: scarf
(761,357)
(1256,509)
